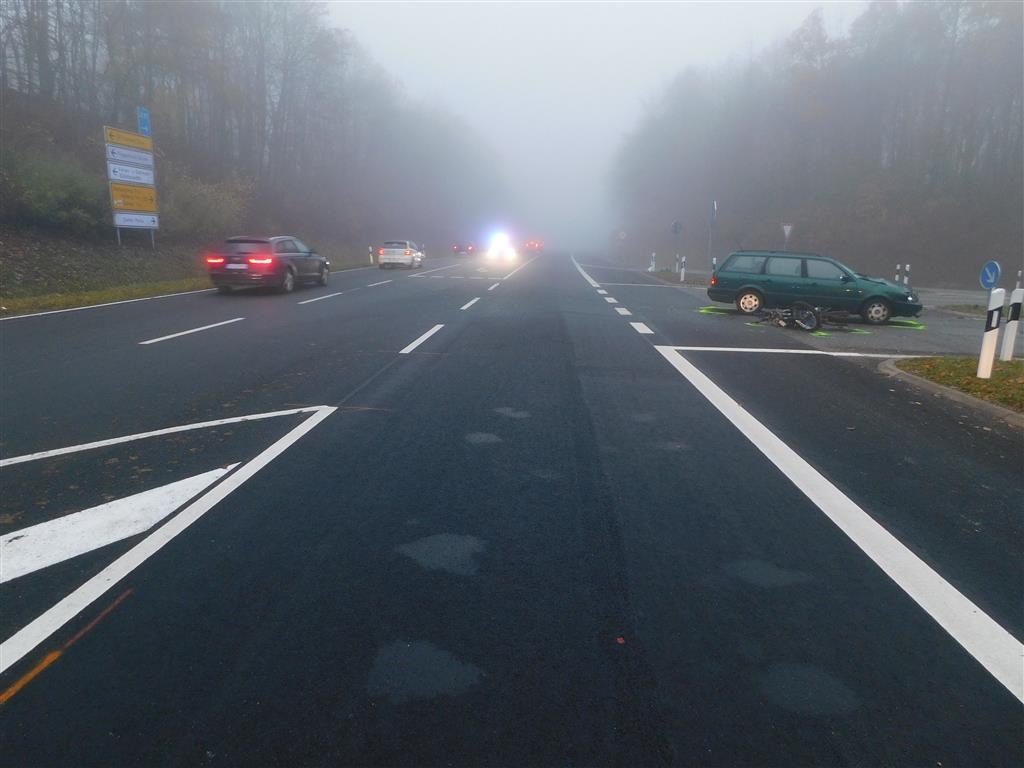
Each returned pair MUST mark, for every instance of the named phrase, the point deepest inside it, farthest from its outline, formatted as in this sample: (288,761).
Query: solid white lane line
(456,277)
(469,304)
(610,300)
(24,640)
(154,433)
(437,277)
(374,285)
(623,311)
(493,286)
(321,298)
(602,291)
(644,285)
(193,330)
(506,277)
(421,339)
(641,328)
(792,352)
(107,304)
(477,277)
(995,648)
(438,269)
(593,283)
(38,546)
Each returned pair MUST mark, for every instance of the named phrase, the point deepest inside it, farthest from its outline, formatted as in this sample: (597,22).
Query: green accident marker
(714,311)
(914,325)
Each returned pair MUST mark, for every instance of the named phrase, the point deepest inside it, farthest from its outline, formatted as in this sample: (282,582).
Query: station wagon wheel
(325,274)
(288,282)
(876,311)
(749,302)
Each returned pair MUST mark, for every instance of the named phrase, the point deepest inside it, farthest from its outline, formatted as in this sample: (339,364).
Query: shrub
(53,191)
(195,209)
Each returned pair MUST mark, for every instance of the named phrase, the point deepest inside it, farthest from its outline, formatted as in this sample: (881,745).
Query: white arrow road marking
(14,648)
(38,546)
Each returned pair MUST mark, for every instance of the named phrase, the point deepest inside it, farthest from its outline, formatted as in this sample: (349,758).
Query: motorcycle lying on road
(804,316)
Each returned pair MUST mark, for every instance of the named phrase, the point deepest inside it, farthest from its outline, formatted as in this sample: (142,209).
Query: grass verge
(21,305)
(1006,387)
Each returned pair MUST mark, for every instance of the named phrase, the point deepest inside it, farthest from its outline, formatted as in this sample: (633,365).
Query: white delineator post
(906,276)
(897,278)
(988,341)
(1010,331)
(682,271)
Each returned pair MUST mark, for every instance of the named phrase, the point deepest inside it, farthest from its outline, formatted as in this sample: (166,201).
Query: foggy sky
(553,87)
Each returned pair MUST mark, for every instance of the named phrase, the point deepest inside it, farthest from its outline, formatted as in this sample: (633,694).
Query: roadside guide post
(653,262)
(1012,323)
(988,278)
(897,278)
(1020,272)
(906,276)
(369,250)
(682,271)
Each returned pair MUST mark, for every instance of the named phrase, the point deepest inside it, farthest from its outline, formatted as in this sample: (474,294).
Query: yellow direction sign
(129,197)
(127,138)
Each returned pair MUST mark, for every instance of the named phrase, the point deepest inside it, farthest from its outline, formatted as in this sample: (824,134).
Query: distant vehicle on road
(400,253)
(501,249)
(466,249)
(758,279)
(534,245)
(253,262)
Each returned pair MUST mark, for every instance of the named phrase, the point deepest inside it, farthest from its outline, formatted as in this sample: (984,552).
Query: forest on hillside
(263,116)
(898,142)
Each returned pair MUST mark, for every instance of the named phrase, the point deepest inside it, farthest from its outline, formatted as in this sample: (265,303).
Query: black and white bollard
(653,259)
(682,271)
(988,341)
(906,275)
(897,278)
(1012,323)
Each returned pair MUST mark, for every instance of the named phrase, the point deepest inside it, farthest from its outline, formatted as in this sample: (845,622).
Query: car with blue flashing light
(754,280)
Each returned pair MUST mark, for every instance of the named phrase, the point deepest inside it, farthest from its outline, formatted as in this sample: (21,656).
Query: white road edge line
(14,648)
(438,269)
(641,328)
(193,330)
(470,303)
(623,311)
(107,304)
(154,433)
(995,648)
(593,283)
(421,339)
(644,285)
(506,277)
(374,285)
(493,286)
(321,298)
(770,351)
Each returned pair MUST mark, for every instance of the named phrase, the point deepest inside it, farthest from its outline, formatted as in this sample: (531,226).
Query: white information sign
(136,220)
(119,172)
(127,155)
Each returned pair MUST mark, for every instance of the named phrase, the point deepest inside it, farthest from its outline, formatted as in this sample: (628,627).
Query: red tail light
(380,251)
(408,253)
(214,259)
(261,259)
(455,247)
(714,280)
(469,248)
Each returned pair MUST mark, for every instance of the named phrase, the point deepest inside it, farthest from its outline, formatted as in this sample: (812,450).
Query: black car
(279,262)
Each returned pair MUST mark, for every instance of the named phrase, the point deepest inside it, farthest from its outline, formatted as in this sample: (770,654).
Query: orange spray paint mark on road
(52,656)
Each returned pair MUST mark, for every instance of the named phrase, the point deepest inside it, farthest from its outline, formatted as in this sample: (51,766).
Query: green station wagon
(758,279)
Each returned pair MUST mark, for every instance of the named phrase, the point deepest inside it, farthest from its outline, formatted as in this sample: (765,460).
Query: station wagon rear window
(396,244)
(745,264)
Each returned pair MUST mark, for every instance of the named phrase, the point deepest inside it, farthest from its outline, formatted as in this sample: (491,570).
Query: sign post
(786,230)
(131,177)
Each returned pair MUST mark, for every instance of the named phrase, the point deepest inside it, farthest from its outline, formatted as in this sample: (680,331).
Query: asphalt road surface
(476,515)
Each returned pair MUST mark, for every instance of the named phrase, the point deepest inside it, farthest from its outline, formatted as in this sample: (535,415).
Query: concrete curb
(1014,419)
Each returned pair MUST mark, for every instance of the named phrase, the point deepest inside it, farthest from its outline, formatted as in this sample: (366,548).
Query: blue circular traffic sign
(989,276)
